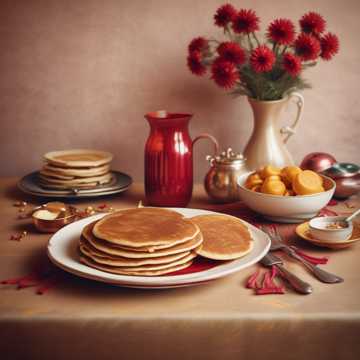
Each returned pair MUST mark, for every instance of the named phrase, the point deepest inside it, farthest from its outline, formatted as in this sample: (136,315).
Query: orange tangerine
(269,170)
(273,187)
(253,180)
(288,173)
(273,178)
(307,182)
(256,188)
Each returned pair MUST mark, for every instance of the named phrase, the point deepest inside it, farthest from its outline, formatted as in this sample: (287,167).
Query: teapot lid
(228,157)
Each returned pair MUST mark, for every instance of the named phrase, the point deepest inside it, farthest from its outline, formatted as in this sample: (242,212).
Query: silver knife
(299,285)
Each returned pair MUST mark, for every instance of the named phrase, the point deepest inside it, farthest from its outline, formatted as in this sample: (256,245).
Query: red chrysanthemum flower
(329,46)
(312,23)
(245,21)
(198,44)
(292,64)
(262,59)
(224,15)
(194,63)
(232,52)
(281,31)
(224,73)
(307,47)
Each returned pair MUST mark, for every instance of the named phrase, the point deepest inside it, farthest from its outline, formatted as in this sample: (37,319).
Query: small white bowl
(318,229)
(287,209)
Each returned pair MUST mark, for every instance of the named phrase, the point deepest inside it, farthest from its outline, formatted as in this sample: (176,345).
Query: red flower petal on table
(262,59)
(194,63)
(281,31)
(198,44)
(232,52)
(329,46)
(292,64)
(245,21)
(307,47)
(312,23)
(224,73)
(224,15)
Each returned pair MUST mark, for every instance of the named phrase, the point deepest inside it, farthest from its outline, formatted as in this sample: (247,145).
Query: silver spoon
(353,215)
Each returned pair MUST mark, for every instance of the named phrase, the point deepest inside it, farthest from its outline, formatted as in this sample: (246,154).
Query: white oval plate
(63,252)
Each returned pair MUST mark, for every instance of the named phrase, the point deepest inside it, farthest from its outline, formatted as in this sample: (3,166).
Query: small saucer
(303,231)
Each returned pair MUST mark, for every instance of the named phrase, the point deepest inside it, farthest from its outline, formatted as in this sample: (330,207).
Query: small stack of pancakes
(142,241)
(80,169)
(156,241)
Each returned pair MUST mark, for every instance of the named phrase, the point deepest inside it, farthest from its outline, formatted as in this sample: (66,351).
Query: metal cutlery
(299,285)
(320,274)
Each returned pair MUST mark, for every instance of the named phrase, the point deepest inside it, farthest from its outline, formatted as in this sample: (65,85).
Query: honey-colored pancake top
(140,252)
(78,157)
(224,237)
(145,227)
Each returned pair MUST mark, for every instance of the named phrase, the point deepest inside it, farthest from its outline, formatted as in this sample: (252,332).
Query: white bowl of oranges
(287,195)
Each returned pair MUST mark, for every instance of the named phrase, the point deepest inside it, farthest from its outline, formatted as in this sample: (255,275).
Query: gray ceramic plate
(29,184)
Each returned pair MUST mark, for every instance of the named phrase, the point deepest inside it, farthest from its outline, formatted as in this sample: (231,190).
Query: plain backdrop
(82,73)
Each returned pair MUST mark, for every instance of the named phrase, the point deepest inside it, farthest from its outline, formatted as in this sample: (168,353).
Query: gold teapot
(221,180)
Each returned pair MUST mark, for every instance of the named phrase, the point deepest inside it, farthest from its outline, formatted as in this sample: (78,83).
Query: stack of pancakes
(142,241)
(80,169)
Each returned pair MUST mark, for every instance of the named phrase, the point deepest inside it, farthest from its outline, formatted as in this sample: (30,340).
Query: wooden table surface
(80,318)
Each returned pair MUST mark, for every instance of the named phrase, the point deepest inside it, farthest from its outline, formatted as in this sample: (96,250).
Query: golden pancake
(76,172)
(141,252)
(132,266)
(51,174)
(112,260)
(224,237)
(145,227)
(116,270)
(78,158)
(102,179)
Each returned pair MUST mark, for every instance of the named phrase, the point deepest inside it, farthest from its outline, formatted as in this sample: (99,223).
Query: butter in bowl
(52,216)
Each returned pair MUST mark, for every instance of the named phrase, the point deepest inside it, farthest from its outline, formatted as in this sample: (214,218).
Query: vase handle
(288,131)
(209,137)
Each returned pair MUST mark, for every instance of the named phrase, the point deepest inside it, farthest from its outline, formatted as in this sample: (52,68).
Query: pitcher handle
(209,137)
(288,131)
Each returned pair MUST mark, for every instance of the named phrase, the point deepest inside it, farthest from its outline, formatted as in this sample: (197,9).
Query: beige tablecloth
(84,319)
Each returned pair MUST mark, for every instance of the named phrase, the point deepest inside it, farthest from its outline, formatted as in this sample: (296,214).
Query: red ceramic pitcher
(169,159)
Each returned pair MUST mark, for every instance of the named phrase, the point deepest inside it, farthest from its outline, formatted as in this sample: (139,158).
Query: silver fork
(278,244)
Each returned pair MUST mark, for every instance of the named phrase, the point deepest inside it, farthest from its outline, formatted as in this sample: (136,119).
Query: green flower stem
(256,39)
(228,32)
(250,42)
(284,49)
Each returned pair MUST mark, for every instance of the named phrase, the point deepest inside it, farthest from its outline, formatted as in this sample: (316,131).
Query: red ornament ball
(307,47)
(245,22)
(224,15)
(232,52)
(312,23)
(281,31)
(262,59)
(317,161)
(195,64)
(292,64)
(329,46)
(224,73)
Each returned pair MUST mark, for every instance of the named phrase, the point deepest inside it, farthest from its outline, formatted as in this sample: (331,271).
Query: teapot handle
(209,137)
(288,131)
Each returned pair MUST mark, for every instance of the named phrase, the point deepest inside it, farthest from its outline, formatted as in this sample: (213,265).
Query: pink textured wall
(82,74)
